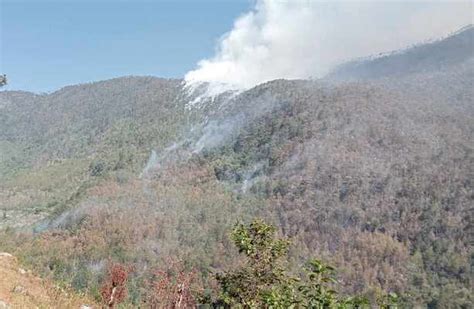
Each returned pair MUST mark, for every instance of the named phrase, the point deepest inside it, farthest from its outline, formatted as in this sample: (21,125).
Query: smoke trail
(306,38)
(150,164)
(172,153)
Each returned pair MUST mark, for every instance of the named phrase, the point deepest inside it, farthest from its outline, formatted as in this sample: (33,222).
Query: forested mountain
(370,169)
(423,58)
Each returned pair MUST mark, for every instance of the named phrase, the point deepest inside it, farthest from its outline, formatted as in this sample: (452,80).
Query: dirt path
(20,288)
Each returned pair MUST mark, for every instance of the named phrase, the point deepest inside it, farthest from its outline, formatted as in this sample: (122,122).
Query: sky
(302,39)
(45,45)
(230,44)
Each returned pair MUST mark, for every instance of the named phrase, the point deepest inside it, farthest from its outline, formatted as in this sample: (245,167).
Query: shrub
(263,281)
(173,287)
(114,290)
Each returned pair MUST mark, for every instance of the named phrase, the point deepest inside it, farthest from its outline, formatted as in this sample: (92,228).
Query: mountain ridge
(374,173)
(432,56)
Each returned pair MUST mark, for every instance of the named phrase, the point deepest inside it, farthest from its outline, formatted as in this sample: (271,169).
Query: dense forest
(125,183)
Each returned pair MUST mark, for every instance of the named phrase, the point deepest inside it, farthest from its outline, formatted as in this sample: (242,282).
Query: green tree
(263,274)
(3,80)
(263,281)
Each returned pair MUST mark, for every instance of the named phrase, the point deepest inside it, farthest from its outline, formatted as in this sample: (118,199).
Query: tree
(3,80)
(172,287)
(317,292)
(253,284)
(114,289)
(265,282)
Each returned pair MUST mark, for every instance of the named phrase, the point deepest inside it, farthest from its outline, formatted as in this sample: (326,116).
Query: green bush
(264,280)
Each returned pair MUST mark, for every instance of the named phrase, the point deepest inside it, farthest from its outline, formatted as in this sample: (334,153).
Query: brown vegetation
(20,288)
(375,177)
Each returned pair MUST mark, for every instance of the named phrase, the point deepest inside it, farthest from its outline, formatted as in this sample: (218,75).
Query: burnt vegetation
(372,175)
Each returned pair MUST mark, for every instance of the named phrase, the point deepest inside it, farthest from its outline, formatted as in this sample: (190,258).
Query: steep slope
(364,162)
(374,176)
(69,121)
(51,143)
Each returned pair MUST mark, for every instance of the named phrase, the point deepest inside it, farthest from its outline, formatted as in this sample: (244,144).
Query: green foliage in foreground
(263,281)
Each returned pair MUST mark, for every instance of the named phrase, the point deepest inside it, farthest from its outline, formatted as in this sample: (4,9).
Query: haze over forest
(363,159)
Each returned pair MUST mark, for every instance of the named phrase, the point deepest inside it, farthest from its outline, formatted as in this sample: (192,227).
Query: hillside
(20,288)
(58,135)
(71,122)
(372,173)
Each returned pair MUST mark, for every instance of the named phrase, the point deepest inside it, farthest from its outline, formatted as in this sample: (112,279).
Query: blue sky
(48,45)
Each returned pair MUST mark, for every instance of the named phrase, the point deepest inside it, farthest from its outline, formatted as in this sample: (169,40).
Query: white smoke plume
(169,154)
(305,38)
(152,162)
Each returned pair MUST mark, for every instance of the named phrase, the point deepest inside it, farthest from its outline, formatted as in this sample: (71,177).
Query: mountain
(436,56)
(370,169)
(82,113)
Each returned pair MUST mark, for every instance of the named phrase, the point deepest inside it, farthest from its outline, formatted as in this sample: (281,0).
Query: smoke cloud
(306,38)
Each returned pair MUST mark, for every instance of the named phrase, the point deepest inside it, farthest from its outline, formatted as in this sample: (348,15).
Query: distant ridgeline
(430,57)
